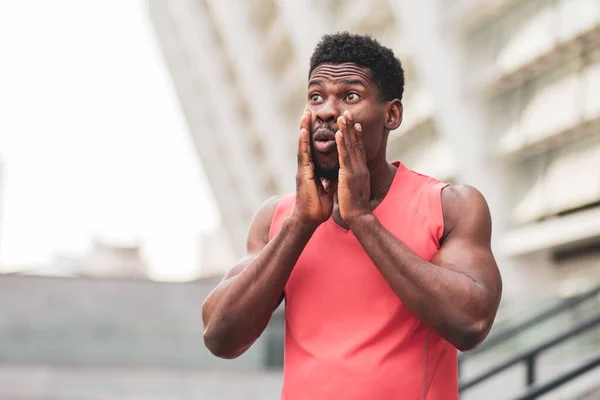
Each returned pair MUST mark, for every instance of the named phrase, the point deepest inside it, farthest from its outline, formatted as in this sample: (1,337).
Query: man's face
(333,89)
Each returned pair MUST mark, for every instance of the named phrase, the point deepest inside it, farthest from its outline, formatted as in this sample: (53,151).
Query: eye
(315,97)
(352,97)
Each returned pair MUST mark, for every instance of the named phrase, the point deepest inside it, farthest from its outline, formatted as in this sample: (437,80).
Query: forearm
(445,300)
(239,309)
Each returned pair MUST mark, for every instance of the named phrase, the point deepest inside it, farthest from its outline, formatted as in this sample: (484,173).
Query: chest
(334,258)
(337,216)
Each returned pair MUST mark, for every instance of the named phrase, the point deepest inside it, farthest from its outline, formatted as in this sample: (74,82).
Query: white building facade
(500,94)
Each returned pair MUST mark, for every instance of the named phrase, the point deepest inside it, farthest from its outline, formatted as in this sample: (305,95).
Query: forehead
(341,72)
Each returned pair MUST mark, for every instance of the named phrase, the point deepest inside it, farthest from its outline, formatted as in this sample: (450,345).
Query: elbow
(471,337)
(219,347)
(215,339)
(220,340)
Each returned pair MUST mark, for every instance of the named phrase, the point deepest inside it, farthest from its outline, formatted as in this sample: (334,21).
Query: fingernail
(348,115)
(340,132)
(342,120)
(358,127)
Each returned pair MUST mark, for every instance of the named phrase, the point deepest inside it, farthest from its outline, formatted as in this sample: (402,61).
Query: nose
(329,112)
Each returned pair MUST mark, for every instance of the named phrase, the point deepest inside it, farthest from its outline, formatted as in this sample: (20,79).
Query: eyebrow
(313,82)
(354,82)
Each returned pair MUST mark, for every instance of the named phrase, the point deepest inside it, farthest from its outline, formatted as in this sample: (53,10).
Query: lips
(325,147)
(324,140)
(324,135)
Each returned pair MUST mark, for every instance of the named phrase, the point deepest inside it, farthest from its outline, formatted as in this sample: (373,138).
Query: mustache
(332,128)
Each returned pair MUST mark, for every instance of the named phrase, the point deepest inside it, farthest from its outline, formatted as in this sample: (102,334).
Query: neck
(382,175)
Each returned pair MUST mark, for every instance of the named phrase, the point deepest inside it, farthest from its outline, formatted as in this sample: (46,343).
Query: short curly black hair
(362,50)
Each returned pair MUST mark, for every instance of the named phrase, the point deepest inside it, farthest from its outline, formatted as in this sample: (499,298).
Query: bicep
(466,248)
(472,260)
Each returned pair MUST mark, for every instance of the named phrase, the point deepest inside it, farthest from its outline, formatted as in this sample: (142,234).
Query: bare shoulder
(258,235)
(466,212)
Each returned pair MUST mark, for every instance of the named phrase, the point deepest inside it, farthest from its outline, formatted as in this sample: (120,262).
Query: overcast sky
(92,139)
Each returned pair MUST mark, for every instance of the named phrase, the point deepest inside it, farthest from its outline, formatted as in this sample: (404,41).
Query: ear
(393,115)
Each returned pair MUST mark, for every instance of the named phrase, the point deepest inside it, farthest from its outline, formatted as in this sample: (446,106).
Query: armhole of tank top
(280,210)
(436,211)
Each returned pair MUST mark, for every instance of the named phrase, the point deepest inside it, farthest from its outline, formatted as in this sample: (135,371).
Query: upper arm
(258,234)
(466,244)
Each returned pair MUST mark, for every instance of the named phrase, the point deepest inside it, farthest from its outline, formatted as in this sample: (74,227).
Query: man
(385,272)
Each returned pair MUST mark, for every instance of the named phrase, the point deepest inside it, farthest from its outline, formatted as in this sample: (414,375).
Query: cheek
(373,136)
(372,144)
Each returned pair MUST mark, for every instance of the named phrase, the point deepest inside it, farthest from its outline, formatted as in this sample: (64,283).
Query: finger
(343,155)
(359,134)
(342,126)
(305,120)
(304,152)
(351,132)
(358,148)
(344,130)
(310,171)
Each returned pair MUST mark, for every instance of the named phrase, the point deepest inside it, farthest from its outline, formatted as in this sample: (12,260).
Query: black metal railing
(538,390)
(529,357)
(511,332)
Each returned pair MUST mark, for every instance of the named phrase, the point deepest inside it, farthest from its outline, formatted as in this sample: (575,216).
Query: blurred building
(103,260)
(500,94)
(217,253)
(107,260)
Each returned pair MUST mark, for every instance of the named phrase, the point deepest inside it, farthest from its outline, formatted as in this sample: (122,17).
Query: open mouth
(325,146)
(324,140)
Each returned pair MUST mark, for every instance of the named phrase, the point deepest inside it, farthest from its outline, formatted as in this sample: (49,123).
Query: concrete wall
(38,382)
(64,338)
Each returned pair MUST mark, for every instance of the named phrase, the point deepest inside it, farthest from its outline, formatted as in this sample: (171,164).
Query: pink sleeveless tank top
(347,334)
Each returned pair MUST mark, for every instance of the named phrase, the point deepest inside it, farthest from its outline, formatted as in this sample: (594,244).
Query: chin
(327,171)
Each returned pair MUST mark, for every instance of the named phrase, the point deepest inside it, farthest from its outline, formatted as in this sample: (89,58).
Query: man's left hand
(354,184)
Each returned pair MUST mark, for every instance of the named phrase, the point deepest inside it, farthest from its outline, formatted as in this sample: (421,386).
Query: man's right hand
(314,202)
